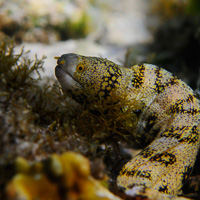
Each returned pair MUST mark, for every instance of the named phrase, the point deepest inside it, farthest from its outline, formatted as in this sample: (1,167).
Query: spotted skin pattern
(168,122)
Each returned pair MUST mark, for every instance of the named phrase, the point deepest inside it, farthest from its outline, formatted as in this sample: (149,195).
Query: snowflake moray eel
(168,122)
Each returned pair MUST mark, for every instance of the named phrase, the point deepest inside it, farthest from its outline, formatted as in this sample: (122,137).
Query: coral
(65,176)
(32,187)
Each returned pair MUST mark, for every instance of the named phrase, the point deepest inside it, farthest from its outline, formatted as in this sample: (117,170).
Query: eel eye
(80,68)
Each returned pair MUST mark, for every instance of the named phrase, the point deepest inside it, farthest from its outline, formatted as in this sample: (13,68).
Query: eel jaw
(66,80)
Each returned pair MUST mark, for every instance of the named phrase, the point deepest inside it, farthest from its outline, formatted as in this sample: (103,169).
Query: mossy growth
(170,9)
(193,7)
(166,10)
(21,85)
(109,123)
(35,28)
(72,29)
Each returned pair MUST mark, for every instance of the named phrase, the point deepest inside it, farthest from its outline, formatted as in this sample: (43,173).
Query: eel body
(168,117)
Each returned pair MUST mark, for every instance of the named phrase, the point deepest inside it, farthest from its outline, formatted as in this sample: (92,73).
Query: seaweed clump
(109,123)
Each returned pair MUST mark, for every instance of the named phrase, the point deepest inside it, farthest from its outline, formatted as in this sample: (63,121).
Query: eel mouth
(64,72)
(59,71)
(68,83)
